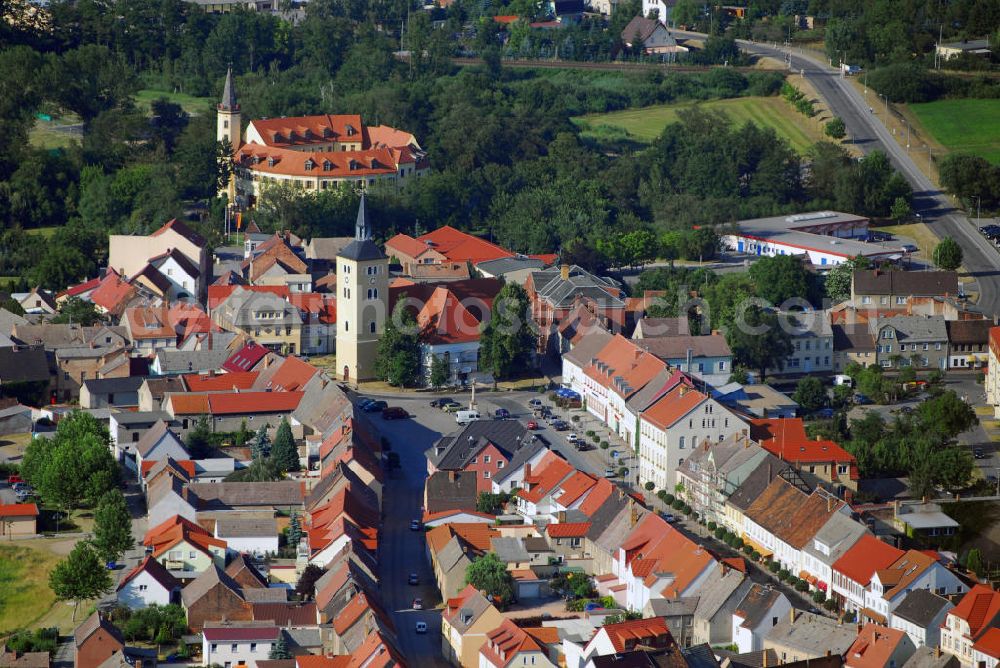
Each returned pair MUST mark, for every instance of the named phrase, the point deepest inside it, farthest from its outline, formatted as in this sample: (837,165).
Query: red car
(13,479)
(532,424)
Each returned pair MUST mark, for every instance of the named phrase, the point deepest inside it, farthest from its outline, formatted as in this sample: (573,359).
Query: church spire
(363,227)
(229,102)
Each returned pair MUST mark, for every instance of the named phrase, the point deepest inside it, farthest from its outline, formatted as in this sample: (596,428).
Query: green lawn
(44,232)
(191,104)
(45,134)
(970,126)
(645,124)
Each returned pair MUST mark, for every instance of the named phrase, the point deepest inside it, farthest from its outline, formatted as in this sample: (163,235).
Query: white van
(465,417)
(843,379)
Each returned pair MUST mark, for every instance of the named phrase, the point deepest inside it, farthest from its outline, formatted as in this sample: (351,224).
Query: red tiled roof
(286,614)
(351,613)
(181,229)
(112,291)
(989,643)
(220,293)
(567,529)
(623,361)
(319,661)
(316,304)
(547,258)
(186,464)
(978,608)
(873,647)
(736,563)
(786,438)
(574,487)
(80,288)
(292,375)
(598,495)
(506,18)
(235,403)
(635,631)
(166,525)
(444,319)
(228,633)
(293,131)
(18,510)
(865,557)
(504,643)
(245,358)
(550,472)
(406,245)
(459,246)
(200,382)
(147,322)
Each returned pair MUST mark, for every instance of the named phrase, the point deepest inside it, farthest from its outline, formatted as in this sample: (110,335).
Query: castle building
(313,153)
(362,298)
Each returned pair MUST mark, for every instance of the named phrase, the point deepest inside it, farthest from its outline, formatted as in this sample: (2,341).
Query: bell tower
(362,301)
(228,114)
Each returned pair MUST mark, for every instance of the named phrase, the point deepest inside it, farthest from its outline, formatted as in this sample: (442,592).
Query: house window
(192,554)
(900,300)
(486,459)
(143,587)
(680,443)
(474,460)
(866,300)
(253,647)
(486,474)
(842,469)
(500,463)
(234,647)
(371,327)
(887,333)
(884,300)
(347,326)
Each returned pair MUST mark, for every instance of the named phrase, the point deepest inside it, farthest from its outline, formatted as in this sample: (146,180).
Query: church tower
(228,114)
(362,301)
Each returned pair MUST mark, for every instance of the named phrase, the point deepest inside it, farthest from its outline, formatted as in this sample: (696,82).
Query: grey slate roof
(756,603)
(219,495)
(911,328)
(9,320)
(510,549)
(756,482)
(244,527)
(521,455)
(558,293)
(229,102)
(812,634)
(915,283)
(23,364)
(444,493)
(927,657)
(362,248)
(326,248)
(193,361)
(718,590)
(852,338)
(700,656)
(921,607)
(839,532)
(674,607)
(588,347)
(205,582)
(505,265)
(467,615)
(153,436)
(456,449)
(132,418)
(676,347)
(113,385)
(650,392)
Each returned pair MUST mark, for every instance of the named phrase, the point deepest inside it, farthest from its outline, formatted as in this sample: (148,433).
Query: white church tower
(362,301)
(228,114)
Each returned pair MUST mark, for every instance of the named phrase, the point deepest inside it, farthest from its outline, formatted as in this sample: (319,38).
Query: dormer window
(350,130)
(352,164)
(254,159)
(307,134)
(310,164)
(327,165)
(375,164)
(271,161)
(277,137)
(326,132)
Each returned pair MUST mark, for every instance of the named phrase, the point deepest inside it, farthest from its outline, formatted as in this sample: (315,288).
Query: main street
(867,130)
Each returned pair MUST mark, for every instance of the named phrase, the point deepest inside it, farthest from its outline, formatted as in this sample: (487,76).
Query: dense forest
(507,160)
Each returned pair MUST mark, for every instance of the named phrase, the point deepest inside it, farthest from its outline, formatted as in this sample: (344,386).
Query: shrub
(712,525)
(801,585)
(650,486)
(677,504)
(819,596)
(623,471)
(738,542)
(773,566)
(755,555)
(720,533)
(589,433)
(605,445)
(783,575)
(830,604)
(668,498)
(662,495)
(686,509)
(595,437)
(747,550)
(575,418)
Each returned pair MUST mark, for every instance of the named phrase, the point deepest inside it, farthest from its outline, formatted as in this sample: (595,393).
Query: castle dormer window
(326,132)
(352,165)
(375,164)
(307,134)
(277,137)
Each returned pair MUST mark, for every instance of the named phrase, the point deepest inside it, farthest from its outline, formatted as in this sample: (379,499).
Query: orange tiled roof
(786,438)
(147,322)
(292,375)
(873,647)
(567,529)
(459,246)
(235,403)
(904,571)
(598,495)
(989,643)
(316,129)
(112,292)
(550,472)
(635,631)
(220,293)
(865,557)
(444,319)
(623,367)
(476,534)
(673,406)
(200,382)
(504,643)
(574,487)
(186,464)
(315,304)
(18,510)
(404,244)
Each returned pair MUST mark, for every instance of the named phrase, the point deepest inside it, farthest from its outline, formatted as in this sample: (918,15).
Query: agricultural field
(645,124)
(963,125)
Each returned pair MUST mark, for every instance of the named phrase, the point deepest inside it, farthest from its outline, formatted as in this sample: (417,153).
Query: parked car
(532,425)
(668,517)
(441,403)
(535,403)
(421,627)
(418,604)
(414,525)
(14,479)
(414,579)
(501,414)
(572,437)
(978,453)
(375,407)
(394,413)
(465,417)
(581,445)
(610,473)
(453,407)
(861,399)
(365,401)
(560,425)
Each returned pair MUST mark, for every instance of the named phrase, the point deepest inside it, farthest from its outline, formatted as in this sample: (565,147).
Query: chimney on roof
(527,471)
(765,658)
(791,616)
(828,652)
(451,476)
(564,272)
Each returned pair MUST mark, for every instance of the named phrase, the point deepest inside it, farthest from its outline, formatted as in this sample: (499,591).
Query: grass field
(44,232)
(645,124)
(46,134)
(191,104)
(968,126)
(25,596)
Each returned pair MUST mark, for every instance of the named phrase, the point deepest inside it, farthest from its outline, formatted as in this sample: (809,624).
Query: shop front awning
(764,552)
(872,615)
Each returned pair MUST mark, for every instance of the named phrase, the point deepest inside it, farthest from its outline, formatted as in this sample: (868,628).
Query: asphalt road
(868,131)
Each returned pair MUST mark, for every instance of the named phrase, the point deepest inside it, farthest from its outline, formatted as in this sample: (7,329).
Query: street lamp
(979,201)
(886,106)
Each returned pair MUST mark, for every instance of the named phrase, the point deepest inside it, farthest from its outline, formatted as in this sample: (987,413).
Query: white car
(535,403)
(421,627)
(572,437)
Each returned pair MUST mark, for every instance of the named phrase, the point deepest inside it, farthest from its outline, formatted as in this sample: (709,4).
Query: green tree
(80,576)
(758,342)
(488,502)
(507,341)
(78,312)
(948,254)
(974,562)
(199,440)
(969,176)
(685,13)
(280,648)
(810,394)
(780,278)
(112,526)
(947,414)
(835,128)
(294,530)
(261,447)
(397,359)
(440,371)
(260,470)
(306,586)
(283,452)
(488,574)
(901,210)
(838,279)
